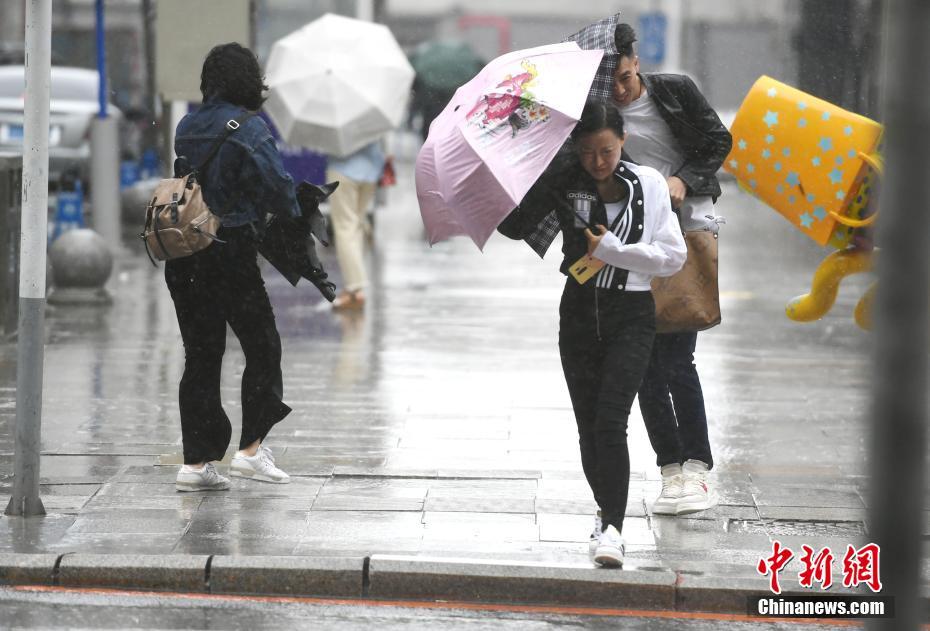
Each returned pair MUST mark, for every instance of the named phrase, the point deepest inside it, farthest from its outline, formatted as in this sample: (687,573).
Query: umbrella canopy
(497,135)
(600,36)
(337,84)
(443,66)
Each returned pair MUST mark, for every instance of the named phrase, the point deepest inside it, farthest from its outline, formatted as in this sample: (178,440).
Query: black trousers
(218,286)
(672,402)
(605,339)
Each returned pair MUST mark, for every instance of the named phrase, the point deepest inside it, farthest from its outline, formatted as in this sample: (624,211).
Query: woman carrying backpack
(222,284)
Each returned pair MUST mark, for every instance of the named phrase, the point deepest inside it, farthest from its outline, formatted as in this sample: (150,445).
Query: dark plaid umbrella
(287,242)
(600,36)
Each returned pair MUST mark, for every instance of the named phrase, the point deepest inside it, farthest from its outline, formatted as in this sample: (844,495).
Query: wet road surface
(111,610)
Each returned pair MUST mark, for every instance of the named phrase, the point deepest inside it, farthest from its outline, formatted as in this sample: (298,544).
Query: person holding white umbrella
(358,176)
(337,86)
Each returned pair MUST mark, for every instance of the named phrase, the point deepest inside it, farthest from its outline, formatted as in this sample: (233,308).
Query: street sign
(185,31)
(653,30)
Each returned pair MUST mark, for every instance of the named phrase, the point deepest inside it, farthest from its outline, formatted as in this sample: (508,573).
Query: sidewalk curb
(27,569)
(173,572)
(395,577)
(288,576)
(405,577)
(715,594)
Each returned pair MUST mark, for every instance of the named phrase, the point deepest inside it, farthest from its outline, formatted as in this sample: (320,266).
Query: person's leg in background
(348,205)
(655,404)
(684,385)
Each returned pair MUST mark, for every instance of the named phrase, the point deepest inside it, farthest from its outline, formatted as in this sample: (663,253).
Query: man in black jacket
(672,128)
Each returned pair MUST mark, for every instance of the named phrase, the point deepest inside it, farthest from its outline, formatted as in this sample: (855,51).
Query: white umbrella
(337,84)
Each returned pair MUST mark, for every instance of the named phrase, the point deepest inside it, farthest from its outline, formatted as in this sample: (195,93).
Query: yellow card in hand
(584,268)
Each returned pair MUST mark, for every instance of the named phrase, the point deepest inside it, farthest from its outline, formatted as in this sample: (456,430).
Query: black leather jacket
(704,140)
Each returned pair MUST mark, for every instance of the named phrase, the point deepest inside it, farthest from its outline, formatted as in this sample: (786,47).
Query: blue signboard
(653,31)
(128,173)
(69,212)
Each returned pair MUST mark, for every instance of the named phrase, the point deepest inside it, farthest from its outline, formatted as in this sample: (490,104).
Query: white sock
(189,468)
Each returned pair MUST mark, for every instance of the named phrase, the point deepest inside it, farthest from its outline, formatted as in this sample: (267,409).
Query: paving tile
(813,513)
(254,505)
(256,524)
(576,507)
(458,487)
(564,528)
(188,502)
(481,531)
(376,487)
(334,502)
(116,543)
(445,518)
(723,512)
(234,546)
(798,496)
(32,534)
(136,521)
(481,505)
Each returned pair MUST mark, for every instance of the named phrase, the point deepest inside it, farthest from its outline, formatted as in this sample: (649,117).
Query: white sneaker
(204,479)
(595,534)
(696,494)
(672,483)
(258,467)
(609,552)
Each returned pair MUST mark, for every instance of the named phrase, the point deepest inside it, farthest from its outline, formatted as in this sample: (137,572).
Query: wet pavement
(437,423)
(30,609)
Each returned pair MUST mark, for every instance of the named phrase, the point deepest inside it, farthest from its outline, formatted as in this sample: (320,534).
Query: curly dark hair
(231,73)
(624,36)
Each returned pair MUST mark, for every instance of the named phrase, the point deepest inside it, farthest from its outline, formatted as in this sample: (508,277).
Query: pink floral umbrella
(497,135)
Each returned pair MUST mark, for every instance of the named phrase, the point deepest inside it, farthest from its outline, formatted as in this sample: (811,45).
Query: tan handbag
(690,300)
(178,222)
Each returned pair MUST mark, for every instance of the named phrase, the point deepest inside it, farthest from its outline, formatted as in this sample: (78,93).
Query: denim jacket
(246,178)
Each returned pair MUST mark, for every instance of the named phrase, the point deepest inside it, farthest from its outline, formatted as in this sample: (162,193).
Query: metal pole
(25,499)
(151,136)
(365,10)
(902,312)
(104,149)
(101,59)
(674,16)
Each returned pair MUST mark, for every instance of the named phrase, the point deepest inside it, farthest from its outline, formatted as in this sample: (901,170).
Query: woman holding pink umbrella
(618,215)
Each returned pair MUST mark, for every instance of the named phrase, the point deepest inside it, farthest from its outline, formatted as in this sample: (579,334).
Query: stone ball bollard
(135,198)
(81,264)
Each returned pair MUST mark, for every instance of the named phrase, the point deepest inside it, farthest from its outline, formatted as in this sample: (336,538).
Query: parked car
(73,106)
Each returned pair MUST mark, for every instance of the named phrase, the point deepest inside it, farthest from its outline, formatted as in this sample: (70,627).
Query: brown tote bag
(690,300)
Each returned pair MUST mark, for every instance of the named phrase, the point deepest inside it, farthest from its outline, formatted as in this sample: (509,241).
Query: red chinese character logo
(861,566)
(774,564)
(817,568)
